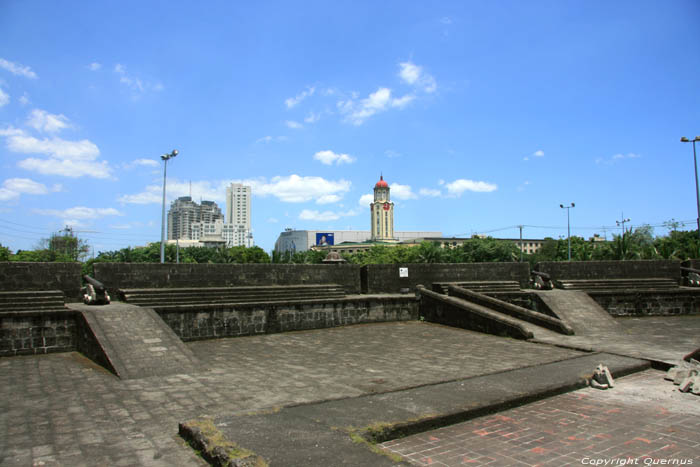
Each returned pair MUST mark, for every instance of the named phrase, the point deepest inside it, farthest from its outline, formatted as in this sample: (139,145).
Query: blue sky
(481,115)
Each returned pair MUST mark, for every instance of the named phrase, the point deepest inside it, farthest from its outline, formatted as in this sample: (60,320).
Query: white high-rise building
(238,215)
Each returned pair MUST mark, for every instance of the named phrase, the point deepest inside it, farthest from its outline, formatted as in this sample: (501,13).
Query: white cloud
(429,192)
(461,185)
(399,191)
(43,121)
(136,85)
(66,158)
(293,101)
(379,101)
(67,167)
(289,189)
(402,102)
(538,153)
(272,220)
(12,188)
(293,125)
(84,150)
(366,200)
(390,153)
(4,98)
(616,158)
(140,163)
(312,117)
(24,99)
(412,74)
(328,199)
(328,157)
(297,189)
(146,162)
(74,216)
(311,215)
(94,66)
(269,139)
(11,131)
(17,69)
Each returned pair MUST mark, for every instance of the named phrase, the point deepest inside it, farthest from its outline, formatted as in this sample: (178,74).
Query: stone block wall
(210,321)
(651,303)
(17,276)
(147,275)
(576,270)
(27,333)
(384,278)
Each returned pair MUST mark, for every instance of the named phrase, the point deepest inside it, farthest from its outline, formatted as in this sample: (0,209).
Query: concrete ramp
(132,342)
(579,310)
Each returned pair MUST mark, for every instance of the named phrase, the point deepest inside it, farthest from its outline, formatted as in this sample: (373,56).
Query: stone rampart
(196,322)
(649,303)
(577,270)
(18,276)
(147,275)
(385,278)
(27,333)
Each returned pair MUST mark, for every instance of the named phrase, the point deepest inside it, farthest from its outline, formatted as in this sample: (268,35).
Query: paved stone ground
(62,409)
(661,338)
(644,419)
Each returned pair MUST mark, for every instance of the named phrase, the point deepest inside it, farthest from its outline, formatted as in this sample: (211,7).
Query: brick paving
(644,420)
(62,409)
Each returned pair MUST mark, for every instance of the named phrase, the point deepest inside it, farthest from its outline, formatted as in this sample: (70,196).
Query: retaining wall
(649,303)
(574,270)
(27,333)
(385,278)
(18,276)
(195,322)
(147,275)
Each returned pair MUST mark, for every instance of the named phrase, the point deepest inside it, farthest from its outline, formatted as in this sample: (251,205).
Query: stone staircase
(165,297)
(617,284)
(32,301)
(479,286)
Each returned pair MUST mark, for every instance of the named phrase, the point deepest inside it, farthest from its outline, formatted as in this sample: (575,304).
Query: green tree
(4,253)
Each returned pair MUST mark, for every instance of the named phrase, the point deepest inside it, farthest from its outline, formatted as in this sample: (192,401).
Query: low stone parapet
(217,320)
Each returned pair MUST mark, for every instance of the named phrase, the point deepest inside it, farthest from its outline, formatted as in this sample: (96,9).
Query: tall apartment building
(184,212)
(238,215)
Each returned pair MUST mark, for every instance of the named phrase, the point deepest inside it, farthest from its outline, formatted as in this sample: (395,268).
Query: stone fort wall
(18,276)
(385,278)
(577,270)
(148,275)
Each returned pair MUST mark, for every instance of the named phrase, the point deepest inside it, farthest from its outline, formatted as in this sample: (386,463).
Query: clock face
(386,206)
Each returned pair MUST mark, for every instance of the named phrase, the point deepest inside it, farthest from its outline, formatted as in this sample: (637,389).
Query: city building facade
(184,212)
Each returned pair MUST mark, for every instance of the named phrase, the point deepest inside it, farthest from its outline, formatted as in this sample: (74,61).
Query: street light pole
(695,162)
(165,158)
(568,225)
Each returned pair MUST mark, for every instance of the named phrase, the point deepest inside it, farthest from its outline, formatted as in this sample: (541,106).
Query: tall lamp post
(165,158)
(695,162)
(568,225)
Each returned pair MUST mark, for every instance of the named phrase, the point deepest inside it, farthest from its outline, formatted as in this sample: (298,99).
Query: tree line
(639,243)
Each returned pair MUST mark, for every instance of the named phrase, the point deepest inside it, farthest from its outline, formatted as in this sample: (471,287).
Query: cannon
(94,292)
(691,276)
(541,280)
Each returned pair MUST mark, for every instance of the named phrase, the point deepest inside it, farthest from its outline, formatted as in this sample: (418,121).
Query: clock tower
(382,213)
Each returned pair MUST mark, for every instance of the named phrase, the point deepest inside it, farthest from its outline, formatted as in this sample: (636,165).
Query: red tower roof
(381,183)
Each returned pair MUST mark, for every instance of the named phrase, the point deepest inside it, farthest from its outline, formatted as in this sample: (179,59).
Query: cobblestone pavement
(643,420)
(62,409)
(662,338)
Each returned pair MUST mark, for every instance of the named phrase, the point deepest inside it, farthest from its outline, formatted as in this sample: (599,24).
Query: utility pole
(622,223)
